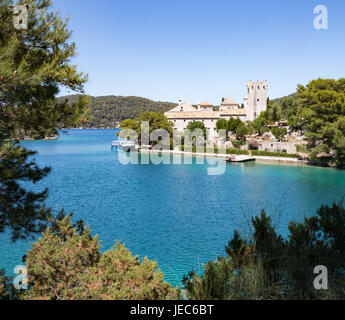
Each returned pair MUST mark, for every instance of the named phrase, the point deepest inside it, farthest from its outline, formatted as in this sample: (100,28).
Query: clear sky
(200,50)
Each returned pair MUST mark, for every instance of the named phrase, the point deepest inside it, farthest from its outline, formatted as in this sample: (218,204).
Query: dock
(241,158)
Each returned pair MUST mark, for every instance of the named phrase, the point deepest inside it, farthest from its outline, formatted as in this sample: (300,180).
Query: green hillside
(107,111)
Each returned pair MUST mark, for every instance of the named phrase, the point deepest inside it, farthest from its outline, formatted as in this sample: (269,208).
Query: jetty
(240,158)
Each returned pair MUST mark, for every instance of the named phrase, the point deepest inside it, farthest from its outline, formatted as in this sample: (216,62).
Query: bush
(302,148)
(7,289)
(253,144)
(274,154)
(279,132)
(267,266)
(237,151)
(238,143)
(66,264)
(214,150)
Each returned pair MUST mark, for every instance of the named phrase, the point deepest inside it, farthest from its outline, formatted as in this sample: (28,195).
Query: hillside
(107,111)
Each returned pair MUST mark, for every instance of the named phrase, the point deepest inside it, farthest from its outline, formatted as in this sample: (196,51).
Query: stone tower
(257,99)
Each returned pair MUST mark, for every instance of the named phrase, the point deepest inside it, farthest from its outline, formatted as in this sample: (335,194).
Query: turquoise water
(175,214)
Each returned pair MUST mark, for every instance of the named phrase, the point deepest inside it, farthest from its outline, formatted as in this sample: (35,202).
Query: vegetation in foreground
(267,266)
(34,65)
(66,264)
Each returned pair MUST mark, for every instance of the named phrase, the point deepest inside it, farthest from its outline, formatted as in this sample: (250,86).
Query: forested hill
(107,111)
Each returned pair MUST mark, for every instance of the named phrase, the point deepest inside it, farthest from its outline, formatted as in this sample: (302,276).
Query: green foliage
(7,289)
(295,122)
(66,264)
(260,125)
(200,288)
(273,154)
(237,151)
(34,65)
(242,131)
(279,132)
(322,107)
(223,124)
(238,143)
(301,148)
(266,266)
(157,122)
(109,110)
(21,210)
(214,150)
(196,125)
(195,135)
(234,124)
(282,109)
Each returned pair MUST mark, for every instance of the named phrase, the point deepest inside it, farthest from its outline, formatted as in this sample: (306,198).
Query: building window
(258,100)
(258,87)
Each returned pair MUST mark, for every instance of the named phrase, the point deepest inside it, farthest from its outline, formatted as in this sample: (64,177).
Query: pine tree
(34,65)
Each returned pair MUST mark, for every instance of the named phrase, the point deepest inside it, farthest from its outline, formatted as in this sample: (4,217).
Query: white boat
(123,145)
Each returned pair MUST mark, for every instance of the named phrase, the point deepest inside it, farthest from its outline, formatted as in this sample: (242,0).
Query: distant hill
(107,111)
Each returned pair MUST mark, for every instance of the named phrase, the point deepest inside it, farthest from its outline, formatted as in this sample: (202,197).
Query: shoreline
(259,159)
(44,139)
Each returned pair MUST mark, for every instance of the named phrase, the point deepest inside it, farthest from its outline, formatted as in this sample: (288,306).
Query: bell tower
(257,99)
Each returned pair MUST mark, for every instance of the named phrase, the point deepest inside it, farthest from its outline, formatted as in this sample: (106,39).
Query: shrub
(274,154)
(267,266)
(279,132)
(302,148)
(238,143)
(7,289)
(253,144)
(214,150)
(237,151)
(66,264)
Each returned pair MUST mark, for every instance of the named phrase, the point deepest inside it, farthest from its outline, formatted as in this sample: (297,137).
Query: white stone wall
(277,146)
(242,118)
(180,124)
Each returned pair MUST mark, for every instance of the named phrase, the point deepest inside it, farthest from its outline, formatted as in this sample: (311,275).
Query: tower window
(258,87)
(258,100)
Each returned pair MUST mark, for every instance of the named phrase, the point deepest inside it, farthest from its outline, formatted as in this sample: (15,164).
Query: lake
(174,214)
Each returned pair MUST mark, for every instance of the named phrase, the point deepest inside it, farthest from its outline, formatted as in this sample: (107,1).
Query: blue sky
(200,50)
